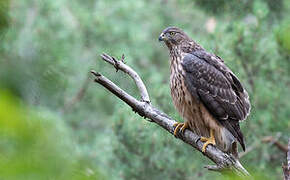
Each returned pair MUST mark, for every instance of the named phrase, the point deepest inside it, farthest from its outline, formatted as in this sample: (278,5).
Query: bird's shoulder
(206,67)
(216,85)
(206,58)
(208,64)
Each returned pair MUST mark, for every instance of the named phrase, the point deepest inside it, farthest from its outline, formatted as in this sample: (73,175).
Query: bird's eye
(172,33)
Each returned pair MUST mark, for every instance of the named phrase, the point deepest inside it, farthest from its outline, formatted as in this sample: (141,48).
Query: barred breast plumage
(195,113)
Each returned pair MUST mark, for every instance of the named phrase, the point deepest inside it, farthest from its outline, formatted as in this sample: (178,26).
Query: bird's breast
(179,93)
(191,110)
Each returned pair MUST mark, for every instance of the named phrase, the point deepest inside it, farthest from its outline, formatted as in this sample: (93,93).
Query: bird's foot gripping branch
(224,163)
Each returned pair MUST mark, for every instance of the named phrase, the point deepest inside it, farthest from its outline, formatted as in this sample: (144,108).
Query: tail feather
(234,128)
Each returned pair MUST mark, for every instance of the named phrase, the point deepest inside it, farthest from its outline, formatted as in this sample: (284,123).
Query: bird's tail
(234,127)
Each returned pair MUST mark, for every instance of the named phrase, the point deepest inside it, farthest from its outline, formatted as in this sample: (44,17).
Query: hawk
(206,93)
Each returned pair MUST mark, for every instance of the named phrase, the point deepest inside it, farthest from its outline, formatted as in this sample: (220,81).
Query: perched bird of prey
(205,92)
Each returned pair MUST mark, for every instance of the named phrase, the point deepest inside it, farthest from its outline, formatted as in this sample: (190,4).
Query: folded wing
(215,85)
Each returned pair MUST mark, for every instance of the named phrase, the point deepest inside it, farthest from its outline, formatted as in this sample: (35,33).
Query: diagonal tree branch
(126,69)
(225,163)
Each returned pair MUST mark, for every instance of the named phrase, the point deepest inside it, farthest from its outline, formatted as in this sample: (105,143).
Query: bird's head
(173,36)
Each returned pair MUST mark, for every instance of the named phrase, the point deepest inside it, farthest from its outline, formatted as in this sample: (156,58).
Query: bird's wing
(218,89)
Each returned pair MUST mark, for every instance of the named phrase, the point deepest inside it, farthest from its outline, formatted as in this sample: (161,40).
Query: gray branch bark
(224,163)
(286,166)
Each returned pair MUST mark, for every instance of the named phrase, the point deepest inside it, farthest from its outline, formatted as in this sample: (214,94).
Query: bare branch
(225,163)
(274,141)
(286,166)
(266,139)
(126,69)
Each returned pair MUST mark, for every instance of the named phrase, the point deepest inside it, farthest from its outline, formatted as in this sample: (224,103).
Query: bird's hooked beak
(162,37)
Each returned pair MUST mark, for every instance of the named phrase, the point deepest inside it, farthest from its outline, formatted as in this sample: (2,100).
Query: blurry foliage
(283,37)
(4,10)
(36,145)
(50,46)
(241,7)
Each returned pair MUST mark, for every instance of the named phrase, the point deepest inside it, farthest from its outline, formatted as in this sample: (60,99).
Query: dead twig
(286,166)
(274,141)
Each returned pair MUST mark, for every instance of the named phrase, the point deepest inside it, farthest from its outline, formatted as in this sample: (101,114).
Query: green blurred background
(55,123)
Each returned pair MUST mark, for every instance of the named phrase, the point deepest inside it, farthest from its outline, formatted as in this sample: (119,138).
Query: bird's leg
(179,126)
(210,140)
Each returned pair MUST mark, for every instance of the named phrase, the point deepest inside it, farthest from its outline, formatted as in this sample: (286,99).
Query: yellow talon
(179,126)
(210,140)
(185,126)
